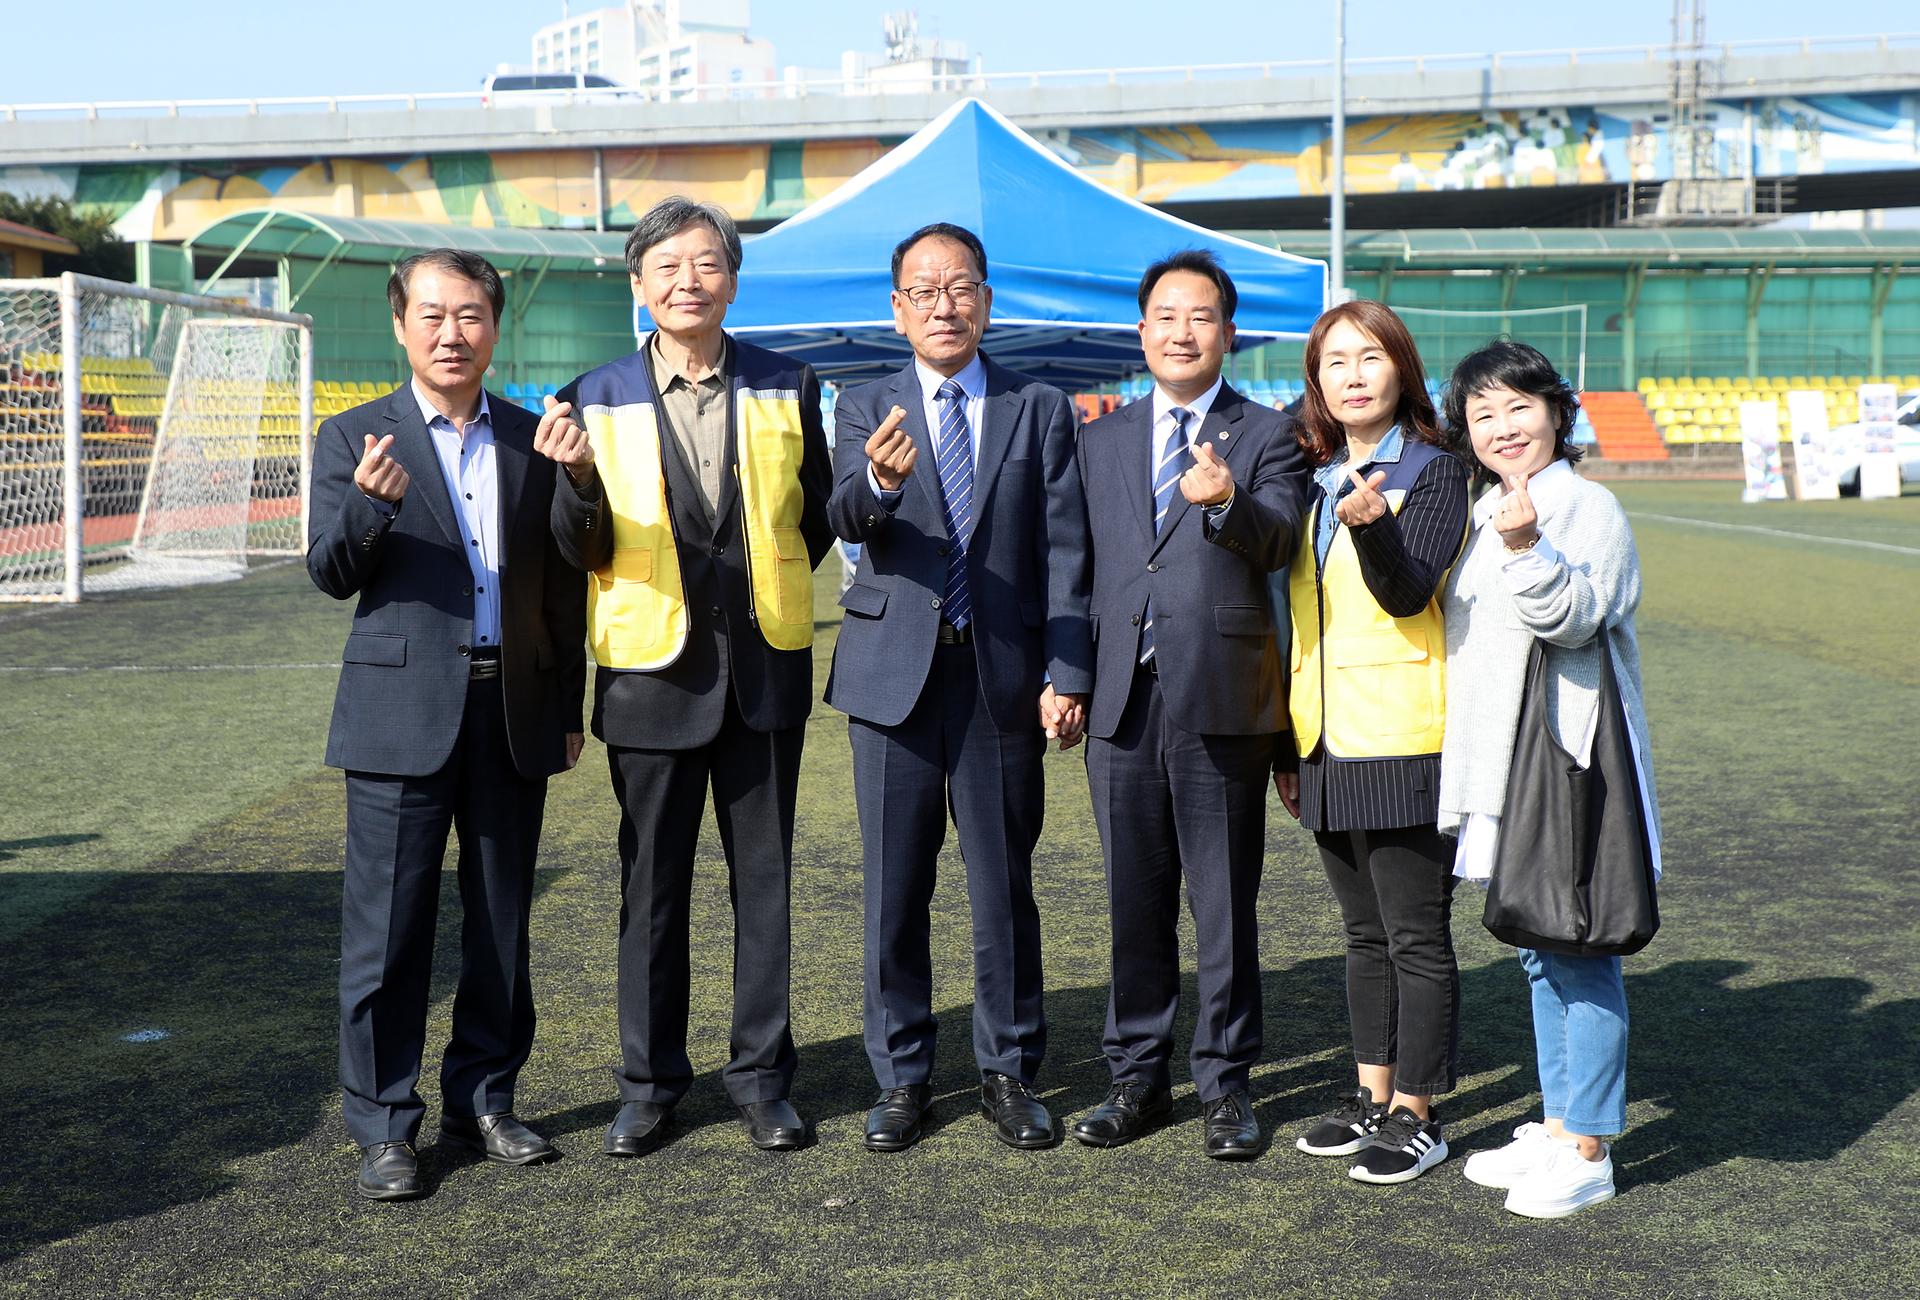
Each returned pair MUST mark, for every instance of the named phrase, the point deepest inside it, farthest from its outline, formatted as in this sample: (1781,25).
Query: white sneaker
(1566,1183)
(1507,1165)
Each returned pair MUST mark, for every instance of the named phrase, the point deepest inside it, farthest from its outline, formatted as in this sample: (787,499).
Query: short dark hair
(454,261)
(674,214)
(941,230)
(1508,363)
(1199,261)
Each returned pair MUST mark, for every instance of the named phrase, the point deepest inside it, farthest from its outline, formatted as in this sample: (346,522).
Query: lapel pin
(1224,435)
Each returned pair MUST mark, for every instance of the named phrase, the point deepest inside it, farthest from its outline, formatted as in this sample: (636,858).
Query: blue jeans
(1580,1039)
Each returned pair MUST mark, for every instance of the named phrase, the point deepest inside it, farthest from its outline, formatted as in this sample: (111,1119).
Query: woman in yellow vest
(1387,515)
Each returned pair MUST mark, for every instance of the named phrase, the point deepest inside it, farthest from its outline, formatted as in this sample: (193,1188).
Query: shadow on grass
(8,848)
(1794,1071)
(177,1023)
(1299,1077)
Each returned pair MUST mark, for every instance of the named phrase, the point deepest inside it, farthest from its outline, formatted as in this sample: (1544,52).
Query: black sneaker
(1405,1147)
(1347,1129)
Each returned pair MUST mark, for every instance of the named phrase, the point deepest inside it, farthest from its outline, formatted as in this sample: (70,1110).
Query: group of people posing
(1212,594)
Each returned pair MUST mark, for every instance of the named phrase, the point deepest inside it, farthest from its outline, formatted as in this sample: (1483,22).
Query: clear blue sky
(178,49)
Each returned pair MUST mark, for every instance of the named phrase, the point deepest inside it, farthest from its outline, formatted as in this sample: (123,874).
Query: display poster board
(1814,478)
(1879,456)
(1760,445)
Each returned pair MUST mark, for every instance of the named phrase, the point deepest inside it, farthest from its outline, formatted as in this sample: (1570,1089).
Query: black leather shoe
(502,1138)
(1019,1118)
(774,1125)
(1131,1110)
(1232,1131)
(637,1129)
(389,1171)
(895,1121)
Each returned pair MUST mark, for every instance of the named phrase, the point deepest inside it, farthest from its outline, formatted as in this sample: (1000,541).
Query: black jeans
(1395,889)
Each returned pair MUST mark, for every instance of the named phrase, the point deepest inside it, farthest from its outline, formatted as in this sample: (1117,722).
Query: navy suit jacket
(1026,560)
(403,685)
(1213,630)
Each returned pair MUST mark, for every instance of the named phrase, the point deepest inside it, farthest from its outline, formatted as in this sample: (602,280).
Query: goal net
(147,438)
(1445,335)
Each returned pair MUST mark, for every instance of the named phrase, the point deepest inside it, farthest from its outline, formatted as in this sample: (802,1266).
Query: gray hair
(674,214)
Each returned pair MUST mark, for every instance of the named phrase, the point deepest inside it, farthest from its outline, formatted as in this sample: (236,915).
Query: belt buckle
(480,670)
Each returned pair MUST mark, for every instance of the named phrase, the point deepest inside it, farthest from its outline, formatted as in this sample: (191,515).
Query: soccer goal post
(1446,334)
(147,438)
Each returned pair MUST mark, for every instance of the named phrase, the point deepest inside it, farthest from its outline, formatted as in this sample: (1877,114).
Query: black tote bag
(1573,869)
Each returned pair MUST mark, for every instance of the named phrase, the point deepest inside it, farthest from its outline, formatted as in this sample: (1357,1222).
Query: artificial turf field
(169,858)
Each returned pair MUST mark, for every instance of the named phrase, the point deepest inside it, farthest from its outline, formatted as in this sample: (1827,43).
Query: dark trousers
(663,796)
(396,840)
(948,755)
(1171,803)
(1403,985)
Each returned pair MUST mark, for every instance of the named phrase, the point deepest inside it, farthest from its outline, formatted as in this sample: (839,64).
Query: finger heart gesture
(1364,504)
(1515,519)
(1209,480)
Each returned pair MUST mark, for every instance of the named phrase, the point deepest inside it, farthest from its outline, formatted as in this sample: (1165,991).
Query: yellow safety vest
(1373,685)
(636,604)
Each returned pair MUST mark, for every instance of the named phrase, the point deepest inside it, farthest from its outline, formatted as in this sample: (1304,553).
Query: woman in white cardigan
(1550,556)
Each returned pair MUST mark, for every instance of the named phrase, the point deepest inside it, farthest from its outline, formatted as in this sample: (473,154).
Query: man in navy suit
(1201,493)
(964,646)
(460,694)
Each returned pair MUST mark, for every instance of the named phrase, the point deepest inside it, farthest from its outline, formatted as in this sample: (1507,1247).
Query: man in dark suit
(1201,494)
(460,695)
(965,644)
(700,513)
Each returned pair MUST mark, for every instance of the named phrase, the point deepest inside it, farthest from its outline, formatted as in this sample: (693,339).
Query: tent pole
(1337,288)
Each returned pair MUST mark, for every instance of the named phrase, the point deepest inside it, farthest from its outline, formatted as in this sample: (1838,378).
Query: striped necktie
(953,453)
(1173,462)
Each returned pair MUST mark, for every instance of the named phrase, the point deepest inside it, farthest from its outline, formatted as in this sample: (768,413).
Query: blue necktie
(953,453)
(1166,481)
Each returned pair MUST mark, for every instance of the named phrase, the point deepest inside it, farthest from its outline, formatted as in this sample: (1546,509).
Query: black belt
(483,662)
(948,634)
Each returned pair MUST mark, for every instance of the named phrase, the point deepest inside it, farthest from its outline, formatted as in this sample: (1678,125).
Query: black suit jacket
(1213,627)
(1026,569)
(682,705)
(403,685)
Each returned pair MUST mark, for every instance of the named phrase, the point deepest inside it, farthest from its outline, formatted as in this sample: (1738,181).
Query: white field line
(1777,532)
(162,668)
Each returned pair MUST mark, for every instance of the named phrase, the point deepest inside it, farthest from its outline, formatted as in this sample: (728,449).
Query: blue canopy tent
(1064,259)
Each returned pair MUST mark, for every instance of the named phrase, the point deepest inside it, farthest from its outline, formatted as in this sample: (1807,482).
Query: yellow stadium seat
(1664,382)
(1664,418)
(1646,385)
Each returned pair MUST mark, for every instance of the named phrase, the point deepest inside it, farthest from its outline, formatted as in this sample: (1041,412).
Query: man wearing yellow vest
(699,474)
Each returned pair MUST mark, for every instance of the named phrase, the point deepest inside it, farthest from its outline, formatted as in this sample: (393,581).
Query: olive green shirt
(696,411)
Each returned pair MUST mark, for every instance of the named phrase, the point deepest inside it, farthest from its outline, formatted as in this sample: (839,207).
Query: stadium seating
(1691,410)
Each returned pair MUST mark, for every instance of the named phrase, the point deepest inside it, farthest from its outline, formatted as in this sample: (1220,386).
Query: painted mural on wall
(1250,160)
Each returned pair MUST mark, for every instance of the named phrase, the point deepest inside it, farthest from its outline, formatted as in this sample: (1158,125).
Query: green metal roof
(1608,246)
(276,232)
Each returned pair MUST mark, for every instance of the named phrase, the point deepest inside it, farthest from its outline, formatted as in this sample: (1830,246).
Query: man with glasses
(964,647)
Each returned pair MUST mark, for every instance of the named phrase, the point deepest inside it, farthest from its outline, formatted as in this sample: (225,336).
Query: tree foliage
(102,251)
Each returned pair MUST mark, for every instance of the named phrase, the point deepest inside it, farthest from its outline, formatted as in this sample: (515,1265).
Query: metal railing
(951,83)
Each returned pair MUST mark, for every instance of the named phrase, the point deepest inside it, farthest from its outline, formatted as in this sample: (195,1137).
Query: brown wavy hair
(1321,435)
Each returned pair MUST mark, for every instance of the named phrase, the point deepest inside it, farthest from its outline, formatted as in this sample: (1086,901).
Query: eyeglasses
(963,293)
